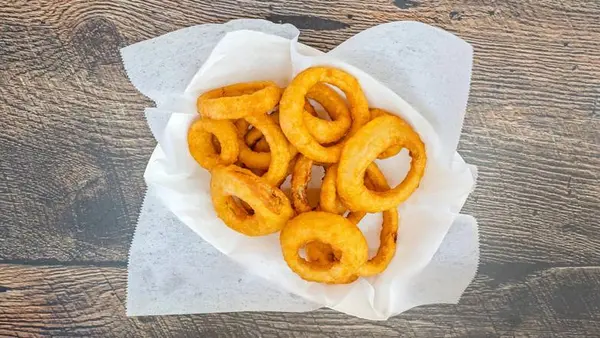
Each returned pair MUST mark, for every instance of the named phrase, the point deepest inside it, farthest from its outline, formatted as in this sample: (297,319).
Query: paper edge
(128,301)
(249,22)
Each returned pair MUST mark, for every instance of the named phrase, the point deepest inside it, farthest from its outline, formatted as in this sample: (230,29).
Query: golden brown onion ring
(201,146)
(277,160)
(323,253)
(300,178)
(254,135)
(327,228)
(239,100)
(291,109)
(259,158)
(334,104)
(215,142)
(389,228)
(363,148)
(271,207)
(393,150)
(320,253)
(242,126)
(328,200)
(261,146)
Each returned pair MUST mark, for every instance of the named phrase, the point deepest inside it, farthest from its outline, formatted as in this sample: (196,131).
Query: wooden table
(74,144)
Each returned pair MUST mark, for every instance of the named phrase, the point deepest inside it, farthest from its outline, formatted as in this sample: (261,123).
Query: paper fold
(427,218)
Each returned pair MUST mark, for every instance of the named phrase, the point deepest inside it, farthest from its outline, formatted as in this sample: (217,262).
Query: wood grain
(74,145)
(530,126)
(83,301)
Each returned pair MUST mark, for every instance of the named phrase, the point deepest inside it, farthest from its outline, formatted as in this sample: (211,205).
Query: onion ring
(325,131)
(257,158)
(393,150)
(215,142)
(201,146)
(262,146)
(242,126)
(380,133)
(254,135)
(291,108)
(272,209)
(327,228)
(239,100)
(389,228)
(277,160)
(387,245)
(328,200)
(322,253)
(257,172)
(300,178)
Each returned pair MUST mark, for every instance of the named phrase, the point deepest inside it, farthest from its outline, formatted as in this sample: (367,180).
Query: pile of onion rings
(252,136)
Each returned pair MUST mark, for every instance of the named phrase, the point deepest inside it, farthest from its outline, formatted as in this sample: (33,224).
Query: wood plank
(74,144)
(89,301)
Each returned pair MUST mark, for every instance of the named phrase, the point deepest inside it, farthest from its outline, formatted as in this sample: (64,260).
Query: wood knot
(405,4)
(97,41)
(309,22)
(455,15)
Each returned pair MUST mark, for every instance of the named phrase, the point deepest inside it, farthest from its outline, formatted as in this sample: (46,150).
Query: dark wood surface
(74,144)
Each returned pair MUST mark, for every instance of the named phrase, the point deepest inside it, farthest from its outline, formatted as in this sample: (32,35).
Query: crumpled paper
(413,70)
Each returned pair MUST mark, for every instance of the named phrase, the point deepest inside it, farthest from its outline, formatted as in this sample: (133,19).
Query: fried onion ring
(258,158)
(242,126)
(325,131)
(389,228)
(216,144)
(393,150)
(201,145)
(379,134)
(291,108)
(328,200)
(322,253)
(300,178)
(277,160)
(387,245)
(261,146)
(254,135)
(327,228)
(271,207)
(239,100)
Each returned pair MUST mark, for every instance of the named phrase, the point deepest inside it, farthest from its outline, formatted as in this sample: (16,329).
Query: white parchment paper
(171,271)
